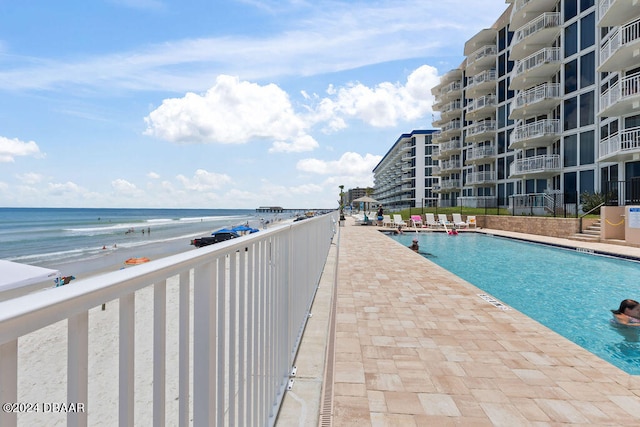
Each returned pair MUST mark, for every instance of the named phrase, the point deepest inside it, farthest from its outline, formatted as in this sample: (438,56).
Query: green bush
(590,201)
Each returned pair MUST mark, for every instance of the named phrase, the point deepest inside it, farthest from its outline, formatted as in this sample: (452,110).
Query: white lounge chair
(398,221)
(457,220)
(471,221)
(386,221)
(442,218)
(431,220)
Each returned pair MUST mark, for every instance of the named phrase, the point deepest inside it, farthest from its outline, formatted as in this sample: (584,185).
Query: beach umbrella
(136,261)
(368,200)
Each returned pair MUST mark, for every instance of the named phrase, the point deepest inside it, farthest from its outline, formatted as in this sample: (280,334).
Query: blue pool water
(570,292)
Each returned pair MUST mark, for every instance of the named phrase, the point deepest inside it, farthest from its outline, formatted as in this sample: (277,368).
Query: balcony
(448,78)
(525,10)
(436,171)
(484,37)
(480,154)
(450,129)
(481,178)
(537,134)
(535,101)
(482,59)
(621,146)
(481,131)
(622,98)
(449,185)
(481,107)
(540,167)
(614,13)
(451,110)
(622,50)
(451,147)
(482,83)
(538,33)
(449,166)
(451,91)
(535,69)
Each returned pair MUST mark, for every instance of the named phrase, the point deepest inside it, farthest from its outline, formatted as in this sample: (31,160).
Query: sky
(216,104)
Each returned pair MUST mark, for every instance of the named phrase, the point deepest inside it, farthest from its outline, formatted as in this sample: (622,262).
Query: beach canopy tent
(14,275)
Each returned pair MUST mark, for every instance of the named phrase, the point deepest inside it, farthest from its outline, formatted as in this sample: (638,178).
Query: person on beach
(414,245)
(628,313)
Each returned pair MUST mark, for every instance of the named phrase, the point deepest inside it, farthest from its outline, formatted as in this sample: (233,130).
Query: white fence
(206,337)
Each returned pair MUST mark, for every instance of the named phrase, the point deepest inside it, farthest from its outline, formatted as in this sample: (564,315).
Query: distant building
(405,177)
(356,193)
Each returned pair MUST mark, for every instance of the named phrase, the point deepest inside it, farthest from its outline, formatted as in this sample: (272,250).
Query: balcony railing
(485,177)
(479,153)
(621,145)
(485,78)
(489,52)
(450,165)
(480,130)
(451,146)
(227,319)
(529,97)
(619,51)
(537,164)
(535,134)
(617,12)
(480,104)
(540,31)
(536,68)
(621,96)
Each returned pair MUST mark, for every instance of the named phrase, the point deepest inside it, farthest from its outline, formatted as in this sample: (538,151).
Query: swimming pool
(568,291)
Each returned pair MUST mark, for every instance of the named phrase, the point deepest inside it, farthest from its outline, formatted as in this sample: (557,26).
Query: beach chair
(471,221)
(386,221)
(431,220)
(398,221)
(457,220)
(416,221)
(442,219)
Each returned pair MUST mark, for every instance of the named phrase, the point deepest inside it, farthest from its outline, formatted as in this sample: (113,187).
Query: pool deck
(398,341)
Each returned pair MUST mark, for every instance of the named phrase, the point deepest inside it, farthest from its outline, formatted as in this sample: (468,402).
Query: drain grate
(491,300)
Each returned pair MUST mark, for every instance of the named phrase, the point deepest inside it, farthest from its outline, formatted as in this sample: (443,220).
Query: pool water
(570,292)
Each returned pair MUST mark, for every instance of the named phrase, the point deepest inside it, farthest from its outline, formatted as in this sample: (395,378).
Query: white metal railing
(626,87)
(452,145)
(481,177)
(541,163)
(536,94)
(447,165)
(482,102)
(485,76)
(627,140)
(237,318)
(620,37)
(536,130)
(449,184)
(543,56)
(481,152)
(451,126)
(519,4)
(546,20)
(479,128)
(483,52)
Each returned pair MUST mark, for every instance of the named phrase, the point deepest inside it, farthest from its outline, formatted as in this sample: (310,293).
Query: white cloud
(351,169)
(153,175)
(66,188)
(30,178)
(231,112)
(124,188)
(12,148)
(204,181)
(381,106)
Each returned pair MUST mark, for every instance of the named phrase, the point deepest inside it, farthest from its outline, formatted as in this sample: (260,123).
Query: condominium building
(547,102)
(405,176)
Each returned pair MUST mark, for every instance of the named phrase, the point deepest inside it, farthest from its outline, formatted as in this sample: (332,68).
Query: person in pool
(628,313)
(415,247)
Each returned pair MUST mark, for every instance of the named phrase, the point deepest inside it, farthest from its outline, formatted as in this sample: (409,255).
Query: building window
(570,9)
(586,182)
(570,150)
(587,109)
(571,113)
(587,70)
(588,31)
(571,40)
(501,143)
(587,148)
(571,76)
(585,4)
(570,187)
(501,174)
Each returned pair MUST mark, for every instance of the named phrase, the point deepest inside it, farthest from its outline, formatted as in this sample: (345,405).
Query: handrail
(597,207)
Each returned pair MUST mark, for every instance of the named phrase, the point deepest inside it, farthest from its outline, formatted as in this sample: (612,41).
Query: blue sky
(226,104)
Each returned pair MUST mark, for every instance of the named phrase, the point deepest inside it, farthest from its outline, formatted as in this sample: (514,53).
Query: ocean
(58,237)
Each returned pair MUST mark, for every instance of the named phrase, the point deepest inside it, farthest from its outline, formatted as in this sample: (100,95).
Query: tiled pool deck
(414,345)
